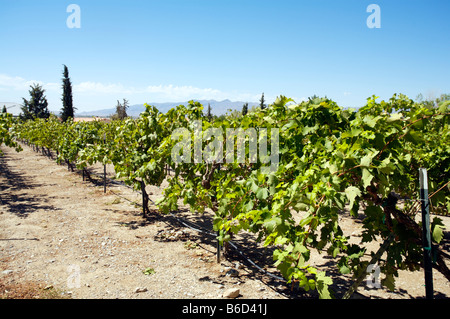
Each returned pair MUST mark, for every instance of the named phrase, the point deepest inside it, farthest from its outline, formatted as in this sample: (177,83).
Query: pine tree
(312,98)
(37,106)
(121,110)
(67,109)
(4,109)
(244,109)
(261,104)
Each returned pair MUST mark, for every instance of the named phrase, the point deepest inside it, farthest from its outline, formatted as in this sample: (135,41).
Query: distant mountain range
(217,108)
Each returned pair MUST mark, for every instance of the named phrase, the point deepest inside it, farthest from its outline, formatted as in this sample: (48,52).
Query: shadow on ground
(13,197)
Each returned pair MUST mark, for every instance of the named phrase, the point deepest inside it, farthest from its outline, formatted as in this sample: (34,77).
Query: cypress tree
(261,104)
(209,114)
(67,109)
(244,109)
(37,106)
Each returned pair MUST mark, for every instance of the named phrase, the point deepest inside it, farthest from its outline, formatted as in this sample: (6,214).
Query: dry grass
(29,290)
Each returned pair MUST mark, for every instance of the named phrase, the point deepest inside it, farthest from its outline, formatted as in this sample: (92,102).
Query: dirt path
(62,236)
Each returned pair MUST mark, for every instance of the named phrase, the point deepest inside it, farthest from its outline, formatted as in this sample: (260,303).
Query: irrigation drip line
(255,265)
(232,244)
(200,229)
(197,228)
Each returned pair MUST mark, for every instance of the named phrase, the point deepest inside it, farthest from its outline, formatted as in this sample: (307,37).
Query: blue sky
(176,50)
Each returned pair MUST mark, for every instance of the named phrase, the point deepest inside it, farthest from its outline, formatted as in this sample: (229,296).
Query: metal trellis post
(426,233)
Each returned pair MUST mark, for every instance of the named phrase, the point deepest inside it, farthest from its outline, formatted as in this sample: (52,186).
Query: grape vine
(7,134)
(331,161)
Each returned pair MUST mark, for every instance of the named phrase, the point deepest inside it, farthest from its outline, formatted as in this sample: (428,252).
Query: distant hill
(217,107)
(11,107)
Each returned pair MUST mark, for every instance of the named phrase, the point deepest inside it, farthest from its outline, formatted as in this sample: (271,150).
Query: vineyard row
(330,160)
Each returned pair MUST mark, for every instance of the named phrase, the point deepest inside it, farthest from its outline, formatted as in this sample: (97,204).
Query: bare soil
(62,237)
